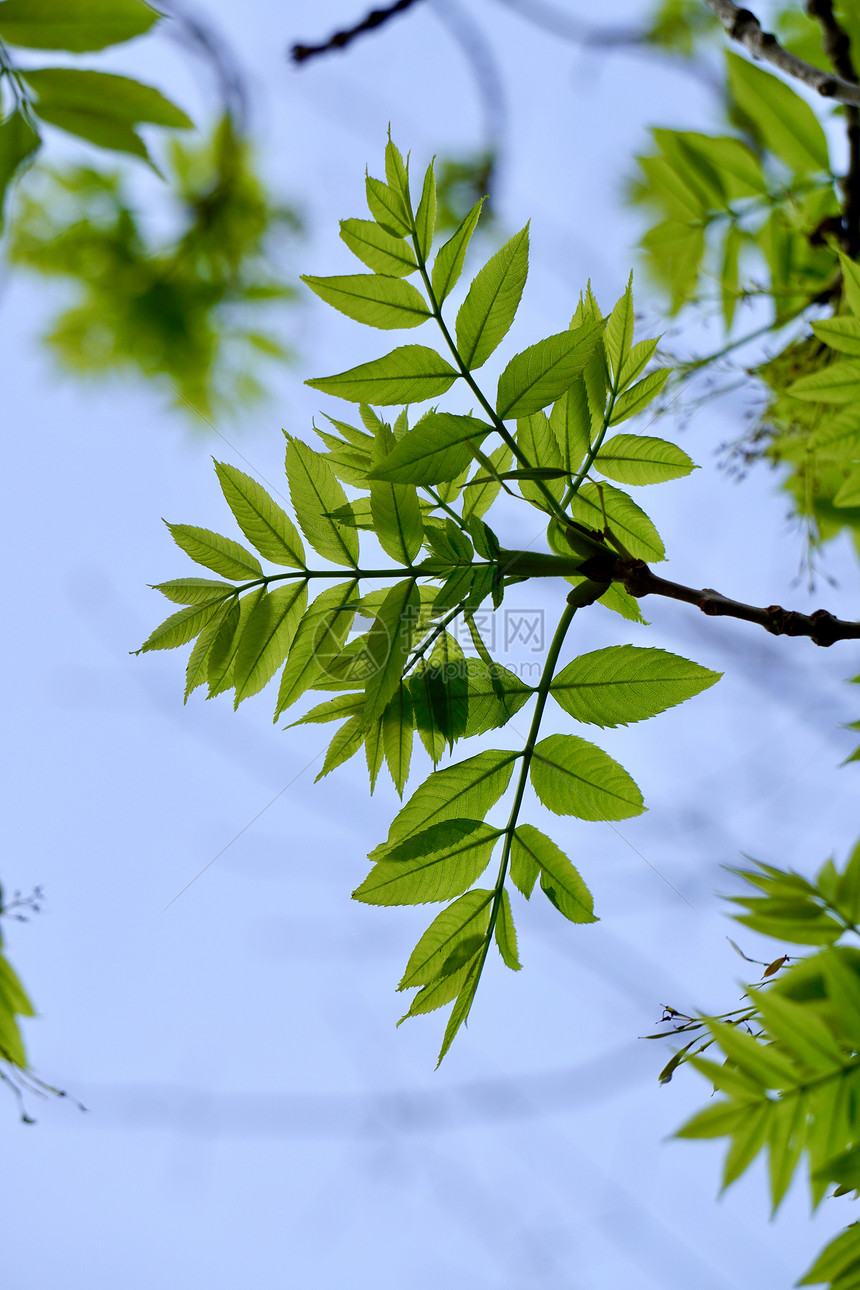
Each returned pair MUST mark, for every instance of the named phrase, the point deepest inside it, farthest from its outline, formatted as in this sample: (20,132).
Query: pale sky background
(255,1119)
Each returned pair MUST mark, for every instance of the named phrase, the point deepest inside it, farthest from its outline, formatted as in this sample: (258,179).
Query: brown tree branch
(837,47)
(340,39)
(820,626)
(744,27)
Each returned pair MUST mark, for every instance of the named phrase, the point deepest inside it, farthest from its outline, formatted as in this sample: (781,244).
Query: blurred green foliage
(183,308)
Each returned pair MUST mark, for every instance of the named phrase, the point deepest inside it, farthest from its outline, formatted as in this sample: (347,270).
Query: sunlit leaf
(574,777)
(486,314)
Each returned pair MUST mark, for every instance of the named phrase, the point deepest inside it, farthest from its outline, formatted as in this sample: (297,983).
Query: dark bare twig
(340,39)
(820,626)
(837,47)
(744,27)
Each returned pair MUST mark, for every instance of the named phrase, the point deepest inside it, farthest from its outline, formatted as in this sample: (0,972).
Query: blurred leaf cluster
(184,308)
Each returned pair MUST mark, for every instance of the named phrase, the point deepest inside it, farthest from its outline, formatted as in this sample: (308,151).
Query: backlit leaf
(260,518)
(433,450)
(408,374)
(315,493)
(486,314)
(543,372)
(624,683)
(373,299)
(436,864)
(463,922)
(221,555)
(574,777)
(448,264)
(785,123)
(625,519)
(640,459)
(559,879)
(267,638)
(379,250)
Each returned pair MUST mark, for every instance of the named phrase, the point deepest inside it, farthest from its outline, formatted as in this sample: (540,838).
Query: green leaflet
(462,1005)
(374,750)
(379,250)
(784,122)
(618,336)
(837,383)
(344,745)
(448,264)
(74,25)
(537,441)
(624,518)
(480,497)
(436,864)
(197,668)
(373,299)
(574,777)
(101,107)
(493,696)
(851,282)
(639,396)
(342,705)
(624,683)
(180,628)
(267,637)
(395,509)
(730,285)
(193,591)
(532,852)
(454,937)
(408,374)
(842,334)
(434,449)
(506,936)
(543,372)
(425,218)
(570,423)
(262,521)
(397,736)
(675,251)
(18,143)
(640,459)
(486,314)
(315,493)
(221,555)
(838,1263)
(466,790)
(387,208)
(318,643)
(388,646)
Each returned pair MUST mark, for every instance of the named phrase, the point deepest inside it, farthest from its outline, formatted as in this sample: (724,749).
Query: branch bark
(821,626)
(340,39)
(837,47)
(745,28)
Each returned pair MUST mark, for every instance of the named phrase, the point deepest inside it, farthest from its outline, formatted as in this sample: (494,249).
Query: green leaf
(842,334)
(625,519)
(493,696)
(74,25)
(397,173)
(315,493)
(480,497)
(836,383)
(387,208)
(730,275)
(486,314)
(675,251)
(748,1139)
(180,628)
(344,745)
(506,935)
(194,591)
(465,790)
(267,638)
(395,510)
(570,423)
(799,1033)
(318,642)
(197,668)
(388,646)
(624,683)
(436,864)
(762,1062)
(262,521)
(448,264)
(222,652)
(462,1007)
(639,396)
(425,219)
(13,996)
(560,881)
(537,442)
(839,1258)
(397,736)
(640,459)
(373,299)
(718,1120)
(379,250)
(543,372)
(18,143)
(408,374)
(220,554)
(574,777)
(850,282)
(636,362)
(783,121)
(439,951)
(618,337)
(342,705)
(434,449)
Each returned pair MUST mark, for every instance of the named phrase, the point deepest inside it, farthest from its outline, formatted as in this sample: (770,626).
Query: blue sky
(255,1119)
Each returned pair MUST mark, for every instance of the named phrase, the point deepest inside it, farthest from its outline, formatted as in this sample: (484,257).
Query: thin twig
(820,626)
(744,27)
(340,39)
(837,47)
